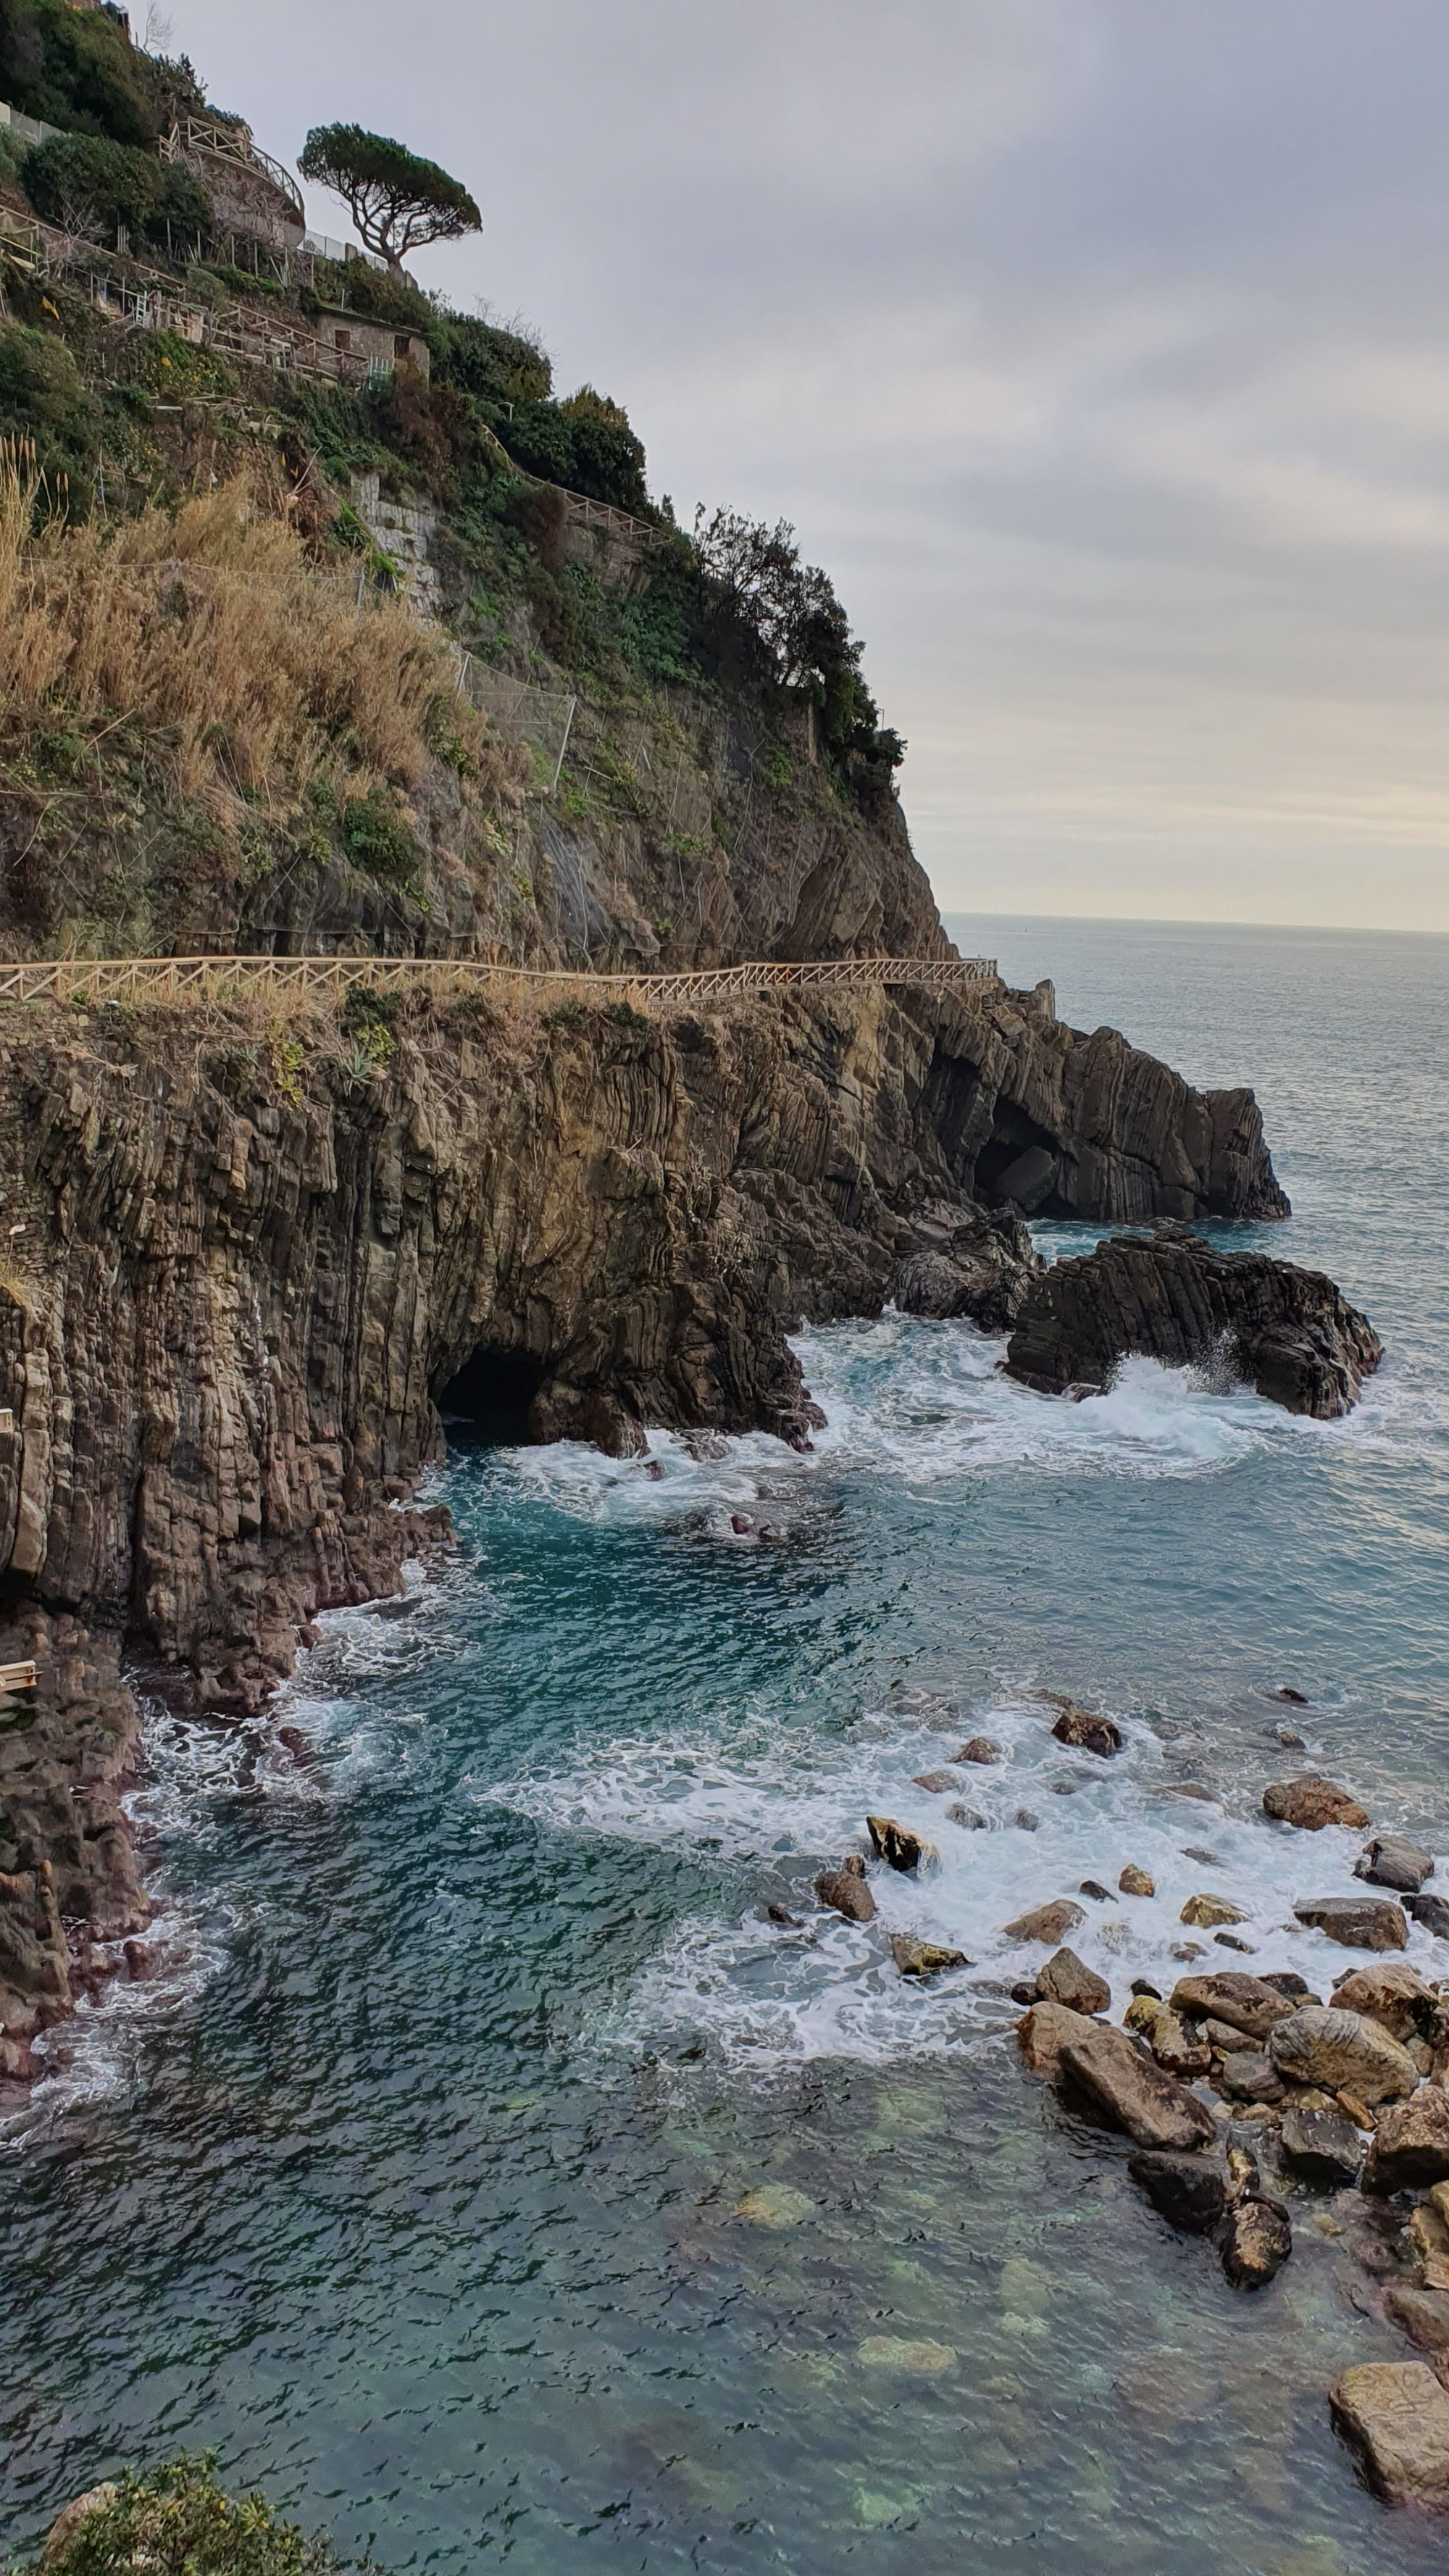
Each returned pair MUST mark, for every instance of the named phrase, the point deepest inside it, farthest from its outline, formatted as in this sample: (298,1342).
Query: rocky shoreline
(247,1268)
(1250,2101)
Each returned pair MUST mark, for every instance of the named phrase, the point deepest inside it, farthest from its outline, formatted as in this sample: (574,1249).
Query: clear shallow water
(413,2185)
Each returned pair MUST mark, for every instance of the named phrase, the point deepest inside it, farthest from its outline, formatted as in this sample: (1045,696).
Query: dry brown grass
(253,671)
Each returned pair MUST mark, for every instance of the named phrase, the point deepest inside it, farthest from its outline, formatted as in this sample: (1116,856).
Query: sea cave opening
(488,1402)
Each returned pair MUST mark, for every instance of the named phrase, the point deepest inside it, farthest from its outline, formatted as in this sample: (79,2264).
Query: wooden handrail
(117,979)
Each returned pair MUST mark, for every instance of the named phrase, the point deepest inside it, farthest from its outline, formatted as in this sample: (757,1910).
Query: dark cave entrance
(488,1401)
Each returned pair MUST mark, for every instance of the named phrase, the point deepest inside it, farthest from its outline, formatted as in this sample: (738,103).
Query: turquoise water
(414,2185)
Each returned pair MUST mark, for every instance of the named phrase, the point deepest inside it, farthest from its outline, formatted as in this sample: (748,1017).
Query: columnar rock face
(244,1281)
(1170,1296)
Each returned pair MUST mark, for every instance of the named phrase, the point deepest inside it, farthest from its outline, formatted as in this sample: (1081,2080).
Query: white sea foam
(926,1404)
(782,1807)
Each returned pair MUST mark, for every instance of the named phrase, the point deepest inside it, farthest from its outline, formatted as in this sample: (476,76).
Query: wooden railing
(177,979)
(17,1677)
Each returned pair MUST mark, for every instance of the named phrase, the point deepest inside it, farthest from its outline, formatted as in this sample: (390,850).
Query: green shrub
(379,842)
(176,2521)
(74,68)
(495,365)
(654,634)
(165,363)
(43,400)
(87,184)
(585,443)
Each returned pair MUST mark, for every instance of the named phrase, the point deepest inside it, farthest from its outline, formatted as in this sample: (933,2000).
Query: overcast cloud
(1096,347)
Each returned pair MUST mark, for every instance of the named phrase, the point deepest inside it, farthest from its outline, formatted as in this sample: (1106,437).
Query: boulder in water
(923,1958)
(1391,1860)
(1410,2145)
(1129,2090)
(1246,2003)
(1171,1296)
(1432,1912)
(1341,2052)
(1043,2032)
(1136,1882)
(845,1890)
(1360,1923)
(979,1748)
(898,1845)
(1049,1923)
(1202,1912)
(1311,1803)
(1322,2146)
(1256,2243)
(1068,1980)
(1189,2191)
(1395,2416)
(1083,1727)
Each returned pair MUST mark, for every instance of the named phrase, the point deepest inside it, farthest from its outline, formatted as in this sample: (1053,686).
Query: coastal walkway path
(179,979)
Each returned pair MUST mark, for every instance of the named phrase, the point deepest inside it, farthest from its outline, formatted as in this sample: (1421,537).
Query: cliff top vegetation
(261,712)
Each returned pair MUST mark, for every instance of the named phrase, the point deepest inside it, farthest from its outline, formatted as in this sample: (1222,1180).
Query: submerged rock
(1395,2415)
(1049,1923)
(1311,1803)
(979,1748)
(920,2357)
(1189,2191)
(969,1818)
(1342,2051)
(1130,2091)
(923,1958)
(1359,1922)
(898,1845)
(774,2205)
(1391,1860)
(940,1783)
(1172,1297)
(1423,2315)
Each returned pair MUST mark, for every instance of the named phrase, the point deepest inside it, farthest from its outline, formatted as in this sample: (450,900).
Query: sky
(1097,348)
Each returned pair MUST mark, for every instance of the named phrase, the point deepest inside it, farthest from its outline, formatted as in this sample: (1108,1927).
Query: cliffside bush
(176,2521)
(498,366)
(74,68)
(585,443)
(44,405)
(89,186)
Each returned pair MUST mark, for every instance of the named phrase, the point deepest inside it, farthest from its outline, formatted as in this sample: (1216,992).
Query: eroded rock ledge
(249,1269)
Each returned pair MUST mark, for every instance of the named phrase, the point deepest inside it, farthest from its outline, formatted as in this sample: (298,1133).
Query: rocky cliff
(249,1268)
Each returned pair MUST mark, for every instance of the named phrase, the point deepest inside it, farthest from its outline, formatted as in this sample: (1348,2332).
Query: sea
(487,2176)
